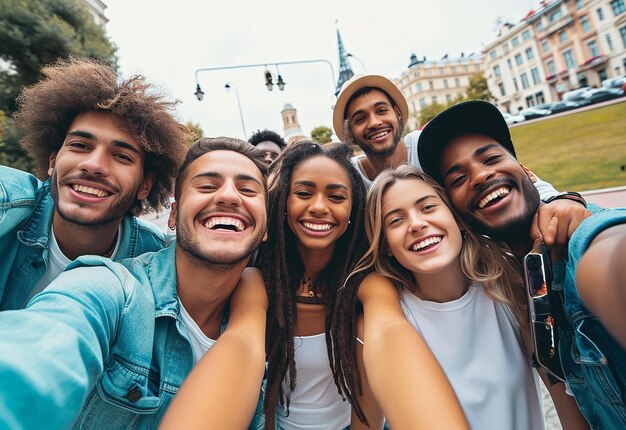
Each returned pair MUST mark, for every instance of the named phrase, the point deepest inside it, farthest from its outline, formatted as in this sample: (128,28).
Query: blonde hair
(482,260)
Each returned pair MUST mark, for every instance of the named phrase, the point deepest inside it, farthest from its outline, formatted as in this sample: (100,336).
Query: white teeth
(225,221)
(502,191)
(88,190)
(317,227)
(426,242)
(378,135)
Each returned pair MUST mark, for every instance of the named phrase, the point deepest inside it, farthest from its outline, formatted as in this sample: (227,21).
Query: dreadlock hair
(283,270)
(267,135)
(74,86)
(482,261)
(208,144)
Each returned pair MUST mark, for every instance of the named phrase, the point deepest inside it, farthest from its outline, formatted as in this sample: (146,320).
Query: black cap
(473,117)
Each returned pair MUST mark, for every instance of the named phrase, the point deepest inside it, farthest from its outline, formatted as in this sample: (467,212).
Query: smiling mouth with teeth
(90,190)
(317,227)
(225,223)
(378,135)
(494,195)
(422,244)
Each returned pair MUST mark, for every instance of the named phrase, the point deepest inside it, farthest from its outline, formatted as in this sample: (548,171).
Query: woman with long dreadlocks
(458,289)
(315,226)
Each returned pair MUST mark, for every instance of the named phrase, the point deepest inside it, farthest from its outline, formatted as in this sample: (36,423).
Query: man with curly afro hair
(105,150)
(269,142)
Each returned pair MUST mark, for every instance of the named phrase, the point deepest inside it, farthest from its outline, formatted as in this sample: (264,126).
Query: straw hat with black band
(357,82)
(473,117)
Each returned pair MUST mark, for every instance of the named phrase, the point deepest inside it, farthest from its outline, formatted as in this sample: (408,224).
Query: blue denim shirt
(594,364)
(103,346)
(26,210)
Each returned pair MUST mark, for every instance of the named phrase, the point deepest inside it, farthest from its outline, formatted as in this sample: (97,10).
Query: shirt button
(134,395)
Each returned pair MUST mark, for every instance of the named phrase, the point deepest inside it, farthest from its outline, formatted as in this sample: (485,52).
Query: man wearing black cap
(468,149)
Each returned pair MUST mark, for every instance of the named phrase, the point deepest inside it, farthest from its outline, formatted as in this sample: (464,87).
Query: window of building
(431,85)
(562,36)
(457,82)
(505,47)
(544,45)
(618,7)
(413,106)
(524,78)
(508,61)
(453,69)
(515,84)
(540,98)
(501,88)
(448,98)
(584,23)
(534,72)
(526,34)
(609,41)
(568,56)
(418,86)
(422,103)
(492,55)
(601,74)
(434,99)
(622,32)
(593,48)
(539,25)
(496,72)
(556,15)
(550,67)
(442,71)
(518,59)
(445,83)
(580,3)
(429,72)
(466,68)
(529,101)
(600,13)
(514,41)
(529,53)
(416,74)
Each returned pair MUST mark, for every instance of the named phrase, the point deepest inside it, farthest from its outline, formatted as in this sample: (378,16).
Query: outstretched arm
(406,379)
(601,280)
(222,391)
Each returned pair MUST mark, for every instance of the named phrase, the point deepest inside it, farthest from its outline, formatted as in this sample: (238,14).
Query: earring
(173,227)
(349,221)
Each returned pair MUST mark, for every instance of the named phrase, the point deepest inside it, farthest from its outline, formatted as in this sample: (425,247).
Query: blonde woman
(459,290)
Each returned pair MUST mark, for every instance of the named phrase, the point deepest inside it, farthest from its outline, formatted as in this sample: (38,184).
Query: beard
(378,152)
(518,226)
(118,208)
(218,258)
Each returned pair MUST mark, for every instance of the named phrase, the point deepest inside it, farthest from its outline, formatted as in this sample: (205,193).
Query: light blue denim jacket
(26,210)
(594,364)
(103,346)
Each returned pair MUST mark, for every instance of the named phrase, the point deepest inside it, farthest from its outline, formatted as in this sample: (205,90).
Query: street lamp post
(228,86)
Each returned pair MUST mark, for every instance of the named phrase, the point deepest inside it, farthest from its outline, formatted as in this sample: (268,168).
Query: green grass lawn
(577,152)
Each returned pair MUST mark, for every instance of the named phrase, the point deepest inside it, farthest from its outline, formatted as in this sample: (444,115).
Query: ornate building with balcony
(435,81)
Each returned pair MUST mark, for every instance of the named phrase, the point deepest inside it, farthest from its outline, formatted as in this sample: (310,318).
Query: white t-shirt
(478,345)
(200,342)
(315,404)
(57,262)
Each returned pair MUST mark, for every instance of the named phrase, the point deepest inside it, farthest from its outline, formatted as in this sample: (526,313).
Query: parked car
(577,93)
(534,112)
(580,100)
(616,82)
(566,105)
(604,94)
(512,118)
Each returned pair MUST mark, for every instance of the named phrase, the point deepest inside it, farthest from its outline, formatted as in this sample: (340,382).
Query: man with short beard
(105,150)
(109,344)
(468,149)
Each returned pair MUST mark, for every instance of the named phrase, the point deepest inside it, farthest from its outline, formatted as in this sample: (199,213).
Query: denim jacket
(594,364)
(103,346)
(26,210)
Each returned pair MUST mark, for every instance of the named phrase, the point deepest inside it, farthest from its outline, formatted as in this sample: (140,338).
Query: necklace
(307,284)
(109,252)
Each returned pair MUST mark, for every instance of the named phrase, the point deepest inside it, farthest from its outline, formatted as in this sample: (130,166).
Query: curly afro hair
(265,135)
(73,86)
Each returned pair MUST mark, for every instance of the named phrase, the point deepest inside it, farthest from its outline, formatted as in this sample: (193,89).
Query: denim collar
(37,228)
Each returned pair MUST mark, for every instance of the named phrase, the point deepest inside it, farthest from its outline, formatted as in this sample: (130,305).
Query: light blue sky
(168,41)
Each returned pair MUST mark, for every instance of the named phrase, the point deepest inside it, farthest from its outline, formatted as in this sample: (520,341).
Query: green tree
(322,134)
(428,112)
(477,88)
(195,131)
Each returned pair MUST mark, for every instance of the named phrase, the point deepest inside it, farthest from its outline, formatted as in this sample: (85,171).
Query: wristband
(569,195)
